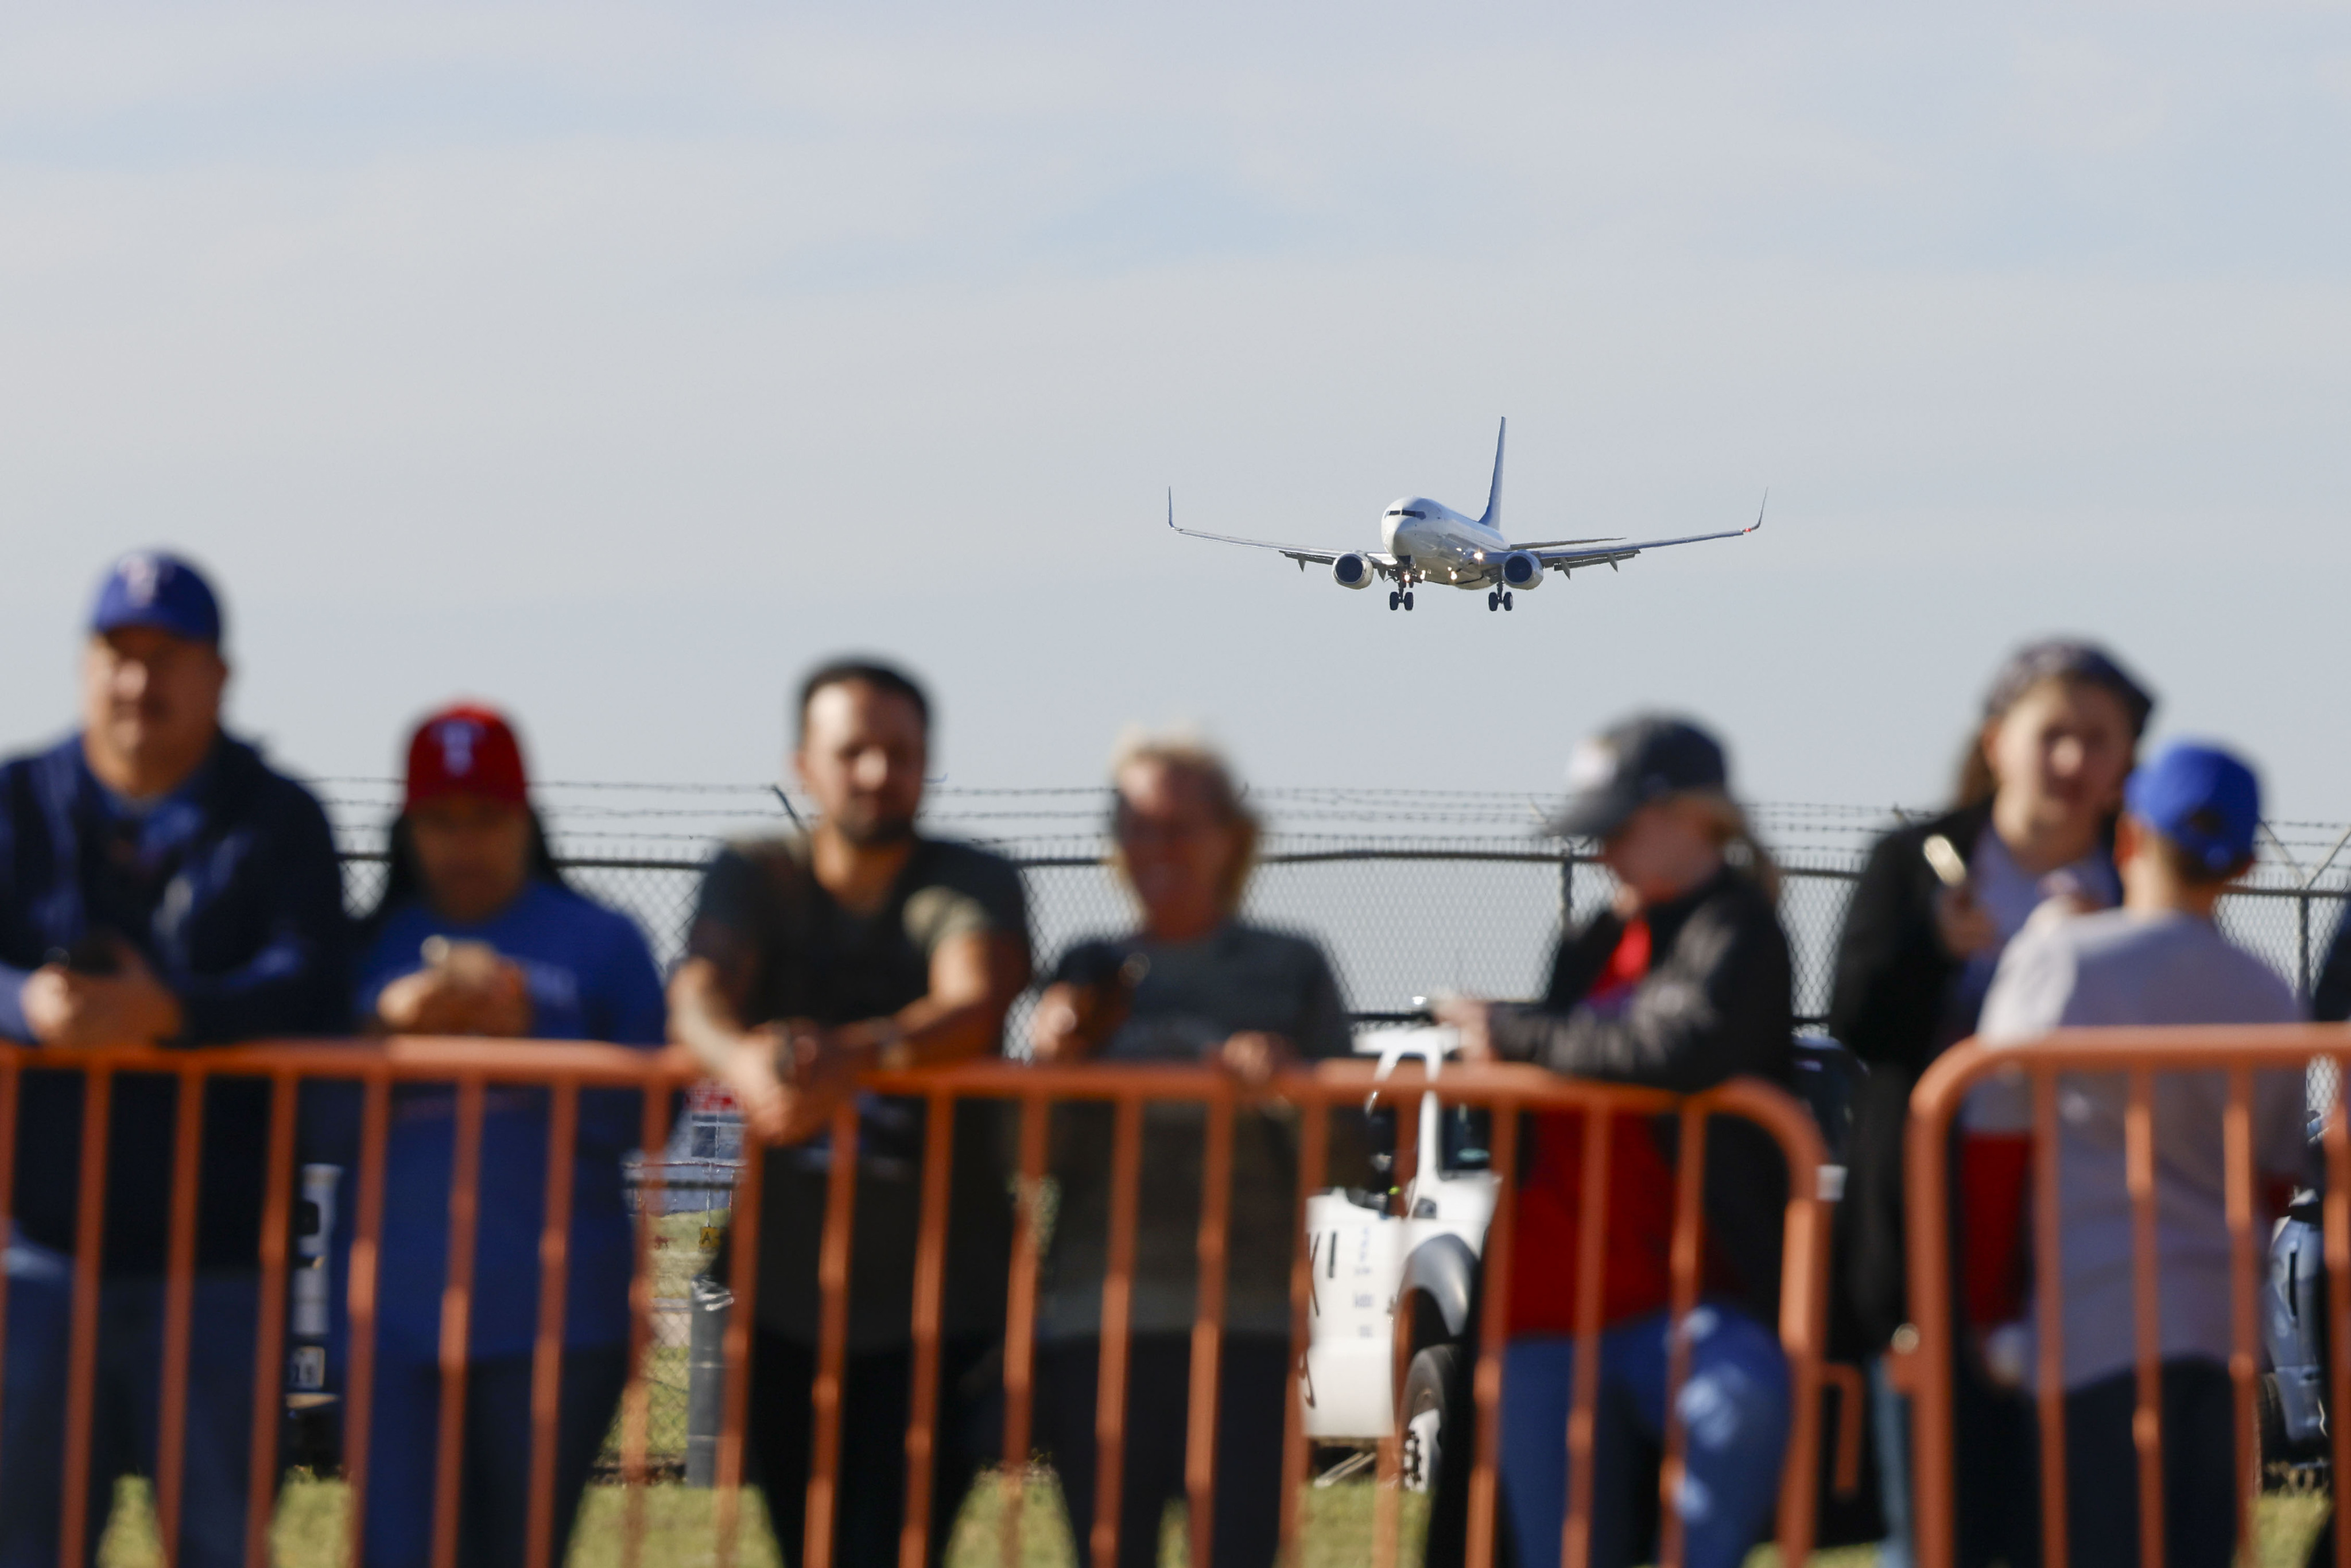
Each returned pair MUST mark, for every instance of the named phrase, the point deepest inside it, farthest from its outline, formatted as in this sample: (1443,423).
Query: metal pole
(705,1376)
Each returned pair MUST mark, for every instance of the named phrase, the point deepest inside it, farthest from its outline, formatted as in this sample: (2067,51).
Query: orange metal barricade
(1926,1369)
(565,1069)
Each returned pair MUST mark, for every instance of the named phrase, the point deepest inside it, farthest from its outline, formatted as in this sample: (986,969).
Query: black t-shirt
(784,948)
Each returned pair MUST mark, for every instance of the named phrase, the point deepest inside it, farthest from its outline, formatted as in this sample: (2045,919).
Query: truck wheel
(1432,1397)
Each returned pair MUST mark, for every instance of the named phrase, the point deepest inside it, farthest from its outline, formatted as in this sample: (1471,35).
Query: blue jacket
(230,890)
(592,977)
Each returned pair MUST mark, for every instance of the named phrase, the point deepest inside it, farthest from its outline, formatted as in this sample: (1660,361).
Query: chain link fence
(1474,910)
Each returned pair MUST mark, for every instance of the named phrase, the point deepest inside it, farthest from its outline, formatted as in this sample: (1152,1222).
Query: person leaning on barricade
(476,934)
(1683,983)
(2187,833)
(159,884)
(1195,984)
(2039,788)
(862,943)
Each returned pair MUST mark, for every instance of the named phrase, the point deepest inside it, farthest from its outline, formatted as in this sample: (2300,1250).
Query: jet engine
(1351,570)
(1521,571)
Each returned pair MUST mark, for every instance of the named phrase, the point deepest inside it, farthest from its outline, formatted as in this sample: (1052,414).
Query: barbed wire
(681,822)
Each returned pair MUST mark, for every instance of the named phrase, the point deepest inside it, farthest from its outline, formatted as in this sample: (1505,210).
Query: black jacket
(1716,1002)
(1894,982)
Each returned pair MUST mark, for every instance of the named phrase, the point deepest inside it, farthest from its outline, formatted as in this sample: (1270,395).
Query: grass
(680,1531)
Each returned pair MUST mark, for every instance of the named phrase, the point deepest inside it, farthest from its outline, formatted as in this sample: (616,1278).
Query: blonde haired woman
(1194,983)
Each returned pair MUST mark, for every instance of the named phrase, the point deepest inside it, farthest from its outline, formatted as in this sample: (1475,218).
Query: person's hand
(462,993)
(1253,1055)
(815,1066)
(129,1007)
(1472,1018)
(1056,1032)
(1964,926)
(750,1076)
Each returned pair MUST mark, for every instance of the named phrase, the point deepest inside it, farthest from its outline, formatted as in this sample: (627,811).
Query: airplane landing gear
(1505,600)
(1394,598)
(1407,598)
(1491,601)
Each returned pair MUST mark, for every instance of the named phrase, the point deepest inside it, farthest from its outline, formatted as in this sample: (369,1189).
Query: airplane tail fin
(1493,517)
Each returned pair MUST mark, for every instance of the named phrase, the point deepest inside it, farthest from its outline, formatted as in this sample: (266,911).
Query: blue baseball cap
(2200,798)
(154,588)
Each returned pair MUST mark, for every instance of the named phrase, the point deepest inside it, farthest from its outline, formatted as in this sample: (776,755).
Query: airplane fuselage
(1442,545)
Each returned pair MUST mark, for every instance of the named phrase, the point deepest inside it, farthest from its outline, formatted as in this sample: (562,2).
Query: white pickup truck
(1399,1279)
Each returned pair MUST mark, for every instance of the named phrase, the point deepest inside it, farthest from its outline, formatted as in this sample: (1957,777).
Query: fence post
(708,1302)
(2302,947)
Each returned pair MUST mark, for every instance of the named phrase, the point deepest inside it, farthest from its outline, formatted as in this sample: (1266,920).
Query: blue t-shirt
(592,977)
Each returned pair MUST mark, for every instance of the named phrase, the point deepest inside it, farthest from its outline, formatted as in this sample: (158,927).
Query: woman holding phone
(476,934)
(2040,786)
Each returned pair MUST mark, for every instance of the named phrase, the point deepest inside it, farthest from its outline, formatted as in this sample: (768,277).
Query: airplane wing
(1382,563)
(1568,554)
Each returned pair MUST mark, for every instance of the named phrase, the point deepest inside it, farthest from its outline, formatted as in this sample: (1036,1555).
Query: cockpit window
(1421,514)
(1400,512)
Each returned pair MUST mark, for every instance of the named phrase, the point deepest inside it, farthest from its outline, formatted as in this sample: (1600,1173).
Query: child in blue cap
(2187,831)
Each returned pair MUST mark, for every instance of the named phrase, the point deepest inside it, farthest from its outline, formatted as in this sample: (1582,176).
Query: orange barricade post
(743,1228)
(930,1291)
(1020,1324)
(81,1344)
(567,1070)
(1591,1256)
(546,1355)
(367,1241)
(1117,1316)
(269,1338)
(2139,1055)
(1208,1327)
(636,1397)
(1313,1167)
(456,1320)
(1387,1497)
(832,1333)
(179,1304)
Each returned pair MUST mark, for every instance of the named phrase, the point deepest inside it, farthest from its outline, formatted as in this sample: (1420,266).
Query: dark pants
(125,1407)
(870,1503)
(494,1496)
(2200,1484)
(1252,1401)
(1994,1433)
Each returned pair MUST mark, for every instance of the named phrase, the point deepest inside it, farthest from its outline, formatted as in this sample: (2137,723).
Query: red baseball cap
(466,750)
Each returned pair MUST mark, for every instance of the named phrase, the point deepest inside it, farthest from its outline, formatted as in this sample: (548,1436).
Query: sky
(615,364)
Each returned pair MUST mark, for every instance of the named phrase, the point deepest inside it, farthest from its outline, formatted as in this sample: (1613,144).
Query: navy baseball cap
(2200,798)
(154,588)
(1648,758)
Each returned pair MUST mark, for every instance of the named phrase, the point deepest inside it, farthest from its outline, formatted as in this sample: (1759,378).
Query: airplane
(1429,542)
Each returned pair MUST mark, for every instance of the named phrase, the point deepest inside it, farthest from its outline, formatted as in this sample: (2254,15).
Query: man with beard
(859,945)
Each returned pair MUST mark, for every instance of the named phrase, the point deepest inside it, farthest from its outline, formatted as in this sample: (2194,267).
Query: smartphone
(1950,866)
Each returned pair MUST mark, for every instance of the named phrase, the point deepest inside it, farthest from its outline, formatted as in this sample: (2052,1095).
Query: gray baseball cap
(1647,757)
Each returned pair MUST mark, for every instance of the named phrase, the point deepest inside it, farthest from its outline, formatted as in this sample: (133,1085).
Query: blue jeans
(494,1492)
(1734,1415)
(125,1407)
